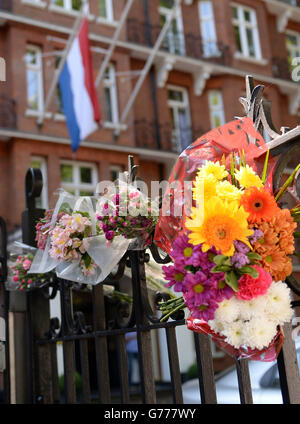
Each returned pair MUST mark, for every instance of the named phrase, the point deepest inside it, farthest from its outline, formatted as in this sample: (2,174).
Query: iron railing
(182,44)
(170,139)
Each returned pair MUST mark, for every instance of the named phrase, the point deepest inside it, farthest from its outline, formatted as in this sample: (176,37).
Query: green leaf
(219,259)
(87,260)
(249,270)
(231,280)
(254,256)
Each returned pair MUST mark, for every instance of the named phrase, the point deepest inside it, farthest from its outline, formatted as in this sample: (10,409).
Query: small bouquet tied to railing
(84,237)
(232,250)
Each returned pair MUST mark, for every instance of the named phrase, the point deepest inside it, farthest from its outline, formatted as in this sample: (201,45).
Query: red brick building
(194,84)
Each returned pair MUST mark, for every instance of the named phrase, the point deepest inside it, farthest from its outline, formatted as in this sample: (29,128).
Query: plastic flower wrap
(19,264)
(126,211)
(70,242)
(232,254)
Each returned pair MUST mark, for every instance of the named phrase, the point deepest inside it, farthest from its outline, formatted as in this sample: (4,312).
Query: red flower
(250,288)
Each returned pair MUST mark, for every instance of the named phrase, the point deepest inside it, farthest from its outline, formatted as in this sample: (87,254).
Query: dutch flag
(79,96)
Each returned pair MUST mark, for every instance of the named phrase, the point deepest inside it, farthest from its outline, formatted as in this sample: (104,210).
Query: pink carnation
(27,264)
(250,288)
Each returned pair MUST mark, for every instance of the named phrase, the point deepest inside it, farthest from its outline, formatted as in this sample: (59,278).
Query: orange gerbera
(260,204)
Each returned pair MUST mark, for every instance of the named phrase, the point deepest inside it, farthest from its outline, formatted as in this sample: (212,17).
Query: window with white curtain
(208,29)
(79,178)
(246,31)
(178,103)
(34,78)
(110,95)
(216,108)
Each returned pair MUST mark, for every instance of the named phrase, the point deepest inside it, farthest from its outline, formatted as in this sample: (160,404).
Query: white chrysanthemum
(278,303)
(252,308)
(258,333)
(216,326)
(228,310)
(234,334)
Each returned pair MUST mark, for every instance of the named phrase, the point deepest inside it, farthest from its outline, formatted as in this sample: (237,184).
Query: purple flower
(105,228)
(187,254)
(239,260)
(256,236)
(133,221)
(205,311)
(223,291)
(175,276)
(241,247)
(109,235)
(198,288)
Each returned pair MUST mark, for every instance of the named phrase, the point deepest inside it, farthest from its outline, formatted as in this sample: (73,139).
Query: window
(115,170)
(40,163)
(106,9)
(180,117)
(246,32)
(59,103)
(292,40)
(110,95)
(216,107)
(208,29)
(68,4)
(34,77)
(79,178)
(174,41)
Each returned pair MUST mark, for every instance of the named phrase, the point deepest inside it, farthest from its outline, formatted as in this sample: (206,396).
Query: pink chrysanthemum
(250,288)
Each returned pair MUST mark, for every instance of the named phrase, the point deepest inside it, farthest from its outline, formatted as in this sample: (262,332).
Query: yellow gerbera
(227,191)
(219,224)
(214,169)
(204,188)
(248,178)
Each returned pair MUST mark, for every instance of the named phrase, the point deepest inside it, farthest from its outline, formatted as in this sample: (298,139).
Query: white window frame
(44,170)
(67,8)
(76,186)
(216,110)
(110,83)
(243,25)
(210,46)
(171,42)
(175,105)
(296,48)
(38,68)
(109,11)
(36,3)
(115,168)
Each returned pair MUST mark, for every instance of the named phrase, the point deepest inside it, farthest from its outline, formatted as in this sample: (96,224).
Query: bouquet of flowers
(128,212)
(69,241)
(19,276)
(231,258)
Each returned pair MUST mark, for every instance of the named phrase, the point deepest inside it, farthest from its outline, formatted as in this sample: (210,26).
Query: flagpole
(113,43)
(62,62)
(148,64)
